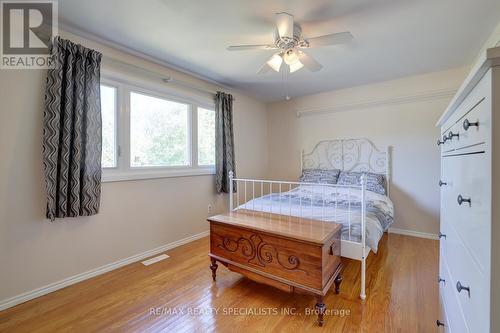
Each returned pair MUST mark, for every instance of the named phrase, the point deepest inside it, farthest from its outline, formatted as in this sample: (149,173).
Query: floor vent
(155,259)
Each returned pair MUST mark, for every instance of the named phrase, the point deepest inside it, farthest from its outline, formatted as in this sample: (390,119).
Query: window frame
(116,130)
(189,130)
(212,109)
(124,170)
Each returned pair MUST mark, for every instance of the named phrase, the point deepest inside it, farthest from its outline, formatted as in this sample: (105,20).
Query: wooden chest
(289,253)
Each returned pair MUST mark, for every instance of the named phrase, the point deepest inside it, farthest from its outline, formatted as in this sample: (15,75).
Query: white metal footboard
(251,189)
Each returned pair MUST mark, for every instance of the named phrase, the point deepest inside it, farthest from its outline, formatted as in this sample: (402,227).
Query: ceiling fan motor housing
(286,43)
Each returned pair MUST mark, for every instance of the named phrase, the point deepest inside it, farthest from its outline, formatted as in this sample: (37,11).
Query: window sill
(110,176)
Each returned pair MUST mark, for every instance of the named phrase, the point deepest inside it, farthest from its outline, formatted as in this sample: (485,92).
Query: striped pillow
(374,181)
(322,176)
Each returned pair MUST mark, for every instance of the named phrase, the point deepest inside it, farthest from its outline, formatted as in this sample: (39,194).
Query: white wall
(408,127)
(135,216)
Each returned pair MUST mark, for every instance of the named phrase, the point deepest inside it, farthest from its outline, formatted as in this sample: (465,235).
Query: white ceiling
(392,38)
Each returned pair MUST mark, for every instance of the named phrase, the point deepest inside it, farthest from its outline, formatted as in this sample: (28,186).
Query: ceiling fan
(291,44)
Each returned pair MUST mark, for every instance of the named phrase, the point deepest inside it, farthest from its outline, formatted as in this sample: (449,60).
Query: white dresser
(469,263)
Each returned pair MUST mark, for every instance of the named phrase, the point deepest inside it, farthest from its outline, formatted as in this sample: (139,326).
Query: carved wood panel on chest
(278,256)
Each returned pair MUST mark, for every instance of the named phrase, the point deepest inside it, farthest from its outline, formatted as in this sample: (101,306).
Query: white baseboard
(413,233)
(10,302)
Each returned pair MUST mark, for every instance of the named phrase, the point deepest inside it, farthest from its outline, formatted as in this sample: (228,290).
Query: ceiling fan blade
(284,24)
(309,62)
(264,69)
(331,39)
(250,47)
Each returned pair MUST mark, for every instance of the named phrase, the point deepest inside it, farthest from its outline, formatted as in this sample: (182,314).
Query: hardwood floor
(402,296)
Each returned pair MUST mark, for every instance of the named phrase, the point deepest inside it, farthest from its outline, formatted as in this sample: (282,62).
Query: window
(108,110)
(147,133)
(206,137)
(159,133)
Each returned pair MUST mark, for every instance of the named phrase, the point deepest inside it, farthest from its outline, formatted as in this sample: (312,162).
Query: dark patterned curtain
(72,131)
(224,141)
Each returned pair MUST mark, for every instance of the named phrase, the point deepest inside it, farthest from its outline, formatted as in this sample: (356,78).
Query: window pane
(108,114)
(159,132)
(206,137)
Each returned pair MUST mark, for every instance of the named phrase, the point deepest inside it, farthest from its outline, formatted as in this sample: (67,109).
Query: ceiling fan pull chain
(285,83)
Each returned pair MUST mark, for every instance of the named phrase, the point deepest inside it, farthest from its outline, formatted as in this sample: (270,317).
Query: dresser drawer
(443,315)
(454,318)
(473,129)
(467,177)
(462,269)
(476,108)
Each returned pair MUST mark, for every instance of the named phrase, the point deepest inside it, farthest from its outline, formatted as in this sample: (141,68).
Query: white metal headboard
(357,155)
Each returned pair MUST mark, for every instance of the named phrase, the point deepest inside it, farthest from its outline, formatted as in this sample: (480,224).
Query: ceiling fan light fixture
(275,62)
(295,66)
(291,56)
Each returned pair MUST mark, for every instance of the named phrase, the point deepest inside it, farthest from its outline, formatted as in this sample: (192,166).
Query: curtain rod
(164,78)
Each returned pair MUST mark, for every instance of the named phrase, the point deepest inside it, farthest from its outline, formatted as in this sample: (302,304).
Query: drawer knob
(445,138)
(461,200)
(460,288)
(451,135)
(439,142)
(441,183)
(439,323)
(468,124)
(440,279)
(441,235)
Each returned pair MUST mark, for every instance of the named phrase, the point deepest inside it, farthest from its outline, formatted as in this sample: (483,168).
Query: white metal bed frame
(355,155)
